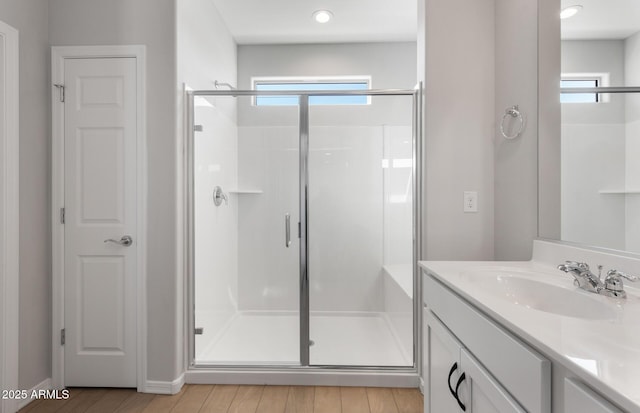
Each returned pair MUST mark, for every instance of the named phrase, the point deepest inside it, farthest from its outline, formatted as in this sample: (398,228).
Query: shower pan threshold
(340,337)
(266,338)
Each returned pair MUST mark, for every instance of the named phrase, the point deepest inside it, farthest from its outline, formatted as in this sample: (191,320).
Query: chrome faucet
(585,279)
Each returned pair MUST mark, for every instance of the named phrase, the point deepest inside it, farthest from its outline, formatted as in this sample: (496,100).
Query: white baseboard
(164,387)
(44,385)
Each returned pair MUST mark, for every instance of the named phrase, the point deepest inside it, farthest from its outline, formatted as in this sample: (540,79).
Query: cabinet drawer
(524,373)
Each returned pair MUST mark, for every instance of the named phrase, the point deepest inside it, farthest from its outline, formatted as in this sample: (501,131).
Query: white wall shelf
(246,191)
(402,274)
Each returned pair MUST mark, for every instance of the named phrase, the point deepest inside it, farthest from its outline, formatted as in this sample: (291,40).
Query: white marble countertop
(604,353)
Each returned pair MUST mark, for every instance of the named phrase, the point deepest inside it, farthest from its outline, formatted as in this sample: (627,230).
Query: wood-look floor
(238,399)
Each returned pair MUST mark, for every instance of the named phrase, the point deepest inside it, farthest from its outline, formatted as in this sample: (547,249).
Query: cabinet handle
(460,380)
(453,392)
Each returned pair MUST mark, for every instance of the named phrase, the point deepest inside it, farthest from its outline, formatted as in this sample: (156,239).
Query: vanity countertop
(604,352)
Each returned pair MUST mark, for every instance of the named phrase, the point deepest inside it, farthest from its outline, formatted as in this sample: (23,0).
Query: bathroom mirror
(600,144)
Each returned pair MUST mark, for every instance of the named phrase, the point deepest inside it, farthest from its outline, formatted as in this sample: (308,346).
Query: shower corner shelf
(245,191)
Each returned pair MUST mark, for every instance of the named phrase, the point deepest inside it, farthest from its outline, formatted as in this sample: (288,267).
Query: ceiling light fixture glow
(322,16)
(570,11)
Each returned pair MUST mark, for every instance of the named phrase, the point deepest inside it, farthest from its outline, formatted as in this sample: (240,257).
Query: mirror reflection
(601,132)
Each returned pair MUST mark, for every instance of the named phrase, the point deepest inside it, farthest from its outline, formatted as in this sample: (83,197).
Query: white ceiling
(289,21)
(602,19)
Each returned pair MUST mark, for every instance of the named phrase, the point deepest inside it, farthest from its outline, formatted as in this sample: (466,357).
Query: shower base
(272,338)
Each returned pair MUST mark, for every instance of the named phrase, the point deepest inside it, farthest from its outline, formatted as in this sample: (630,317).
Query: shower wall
(594,134)
(398,200)
(632,133)
(206,52)
(350,184)
(216,233)
(268,272)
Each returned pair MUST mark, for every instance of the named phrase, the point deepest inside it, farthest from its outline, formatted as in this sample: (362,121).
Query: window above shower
(586,80)
(342,83)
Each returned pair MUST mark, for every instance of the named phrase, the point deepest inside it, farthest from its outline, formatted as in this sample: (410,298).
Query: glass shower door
(360,233)
(245,246)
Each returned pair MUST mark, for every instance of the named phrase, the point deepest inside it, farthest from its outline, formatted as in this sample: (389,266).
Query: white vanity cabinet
(454,380)
(578,398)
(501,374)
(442,361)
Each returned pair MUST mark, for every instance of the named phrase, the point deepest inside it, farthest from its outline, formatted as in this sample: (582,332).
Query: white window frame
(312,80)
(601,78)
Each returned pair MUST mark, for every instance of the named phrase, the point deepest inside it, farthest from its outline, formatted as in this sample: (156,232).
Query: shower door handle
(287,230)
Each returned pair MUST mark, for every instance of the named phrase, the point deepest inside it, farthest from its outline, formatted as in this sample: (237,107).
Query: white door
(100,129)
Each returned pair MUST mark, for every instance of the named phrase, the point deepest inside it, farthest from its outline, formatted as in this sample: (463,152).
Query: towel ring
(512,112)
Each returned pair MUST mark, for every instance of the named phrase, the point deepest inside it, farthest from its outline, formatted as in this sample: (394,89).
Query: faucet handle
(613,283)
(623,275)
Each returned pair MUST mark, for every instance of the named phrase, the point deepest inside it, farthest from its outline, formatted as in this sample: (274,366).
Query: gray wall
(459,128)
(387,63)
(30,18)
(151,23)
(494,55)
(516,162)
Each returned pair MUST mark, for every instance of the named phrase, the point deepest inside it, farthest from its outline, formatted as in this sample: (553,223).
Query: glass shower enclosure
(303,229)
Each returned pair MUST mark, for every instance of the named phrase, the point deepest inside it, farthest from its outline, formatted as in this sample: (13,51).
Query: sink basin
(542,296)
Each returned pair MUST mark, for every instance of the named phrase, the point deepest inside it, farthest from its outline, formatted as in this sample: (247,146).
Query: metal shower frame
(304,313)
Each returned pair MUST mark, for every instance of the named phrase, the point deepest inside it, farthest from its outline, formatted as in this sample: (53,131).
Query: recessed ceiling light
(570,11)
(322,16)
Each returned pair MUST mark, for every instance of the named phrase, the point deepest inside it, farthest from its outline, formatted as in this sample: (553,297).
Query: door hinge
(199,331)
(62,215)
(63,337)
(61,91)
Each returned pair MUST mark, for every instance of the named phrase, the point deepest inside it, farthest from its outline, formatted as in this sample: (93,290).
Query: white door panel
(481,392)
(578,398)
(442,352)
(100,204)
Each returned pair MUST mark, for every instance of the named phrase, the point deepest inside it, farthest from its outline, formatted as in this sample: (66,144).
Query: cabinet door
(578,398)
(480,392)
(442,354)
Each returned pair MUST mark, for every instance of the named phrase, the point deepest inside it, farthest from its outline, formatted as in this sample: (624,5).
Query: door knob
(125,241)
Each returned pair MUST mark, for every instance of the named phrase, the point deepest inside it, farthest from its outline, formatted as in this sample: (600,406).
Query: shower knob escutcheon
(219,196)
